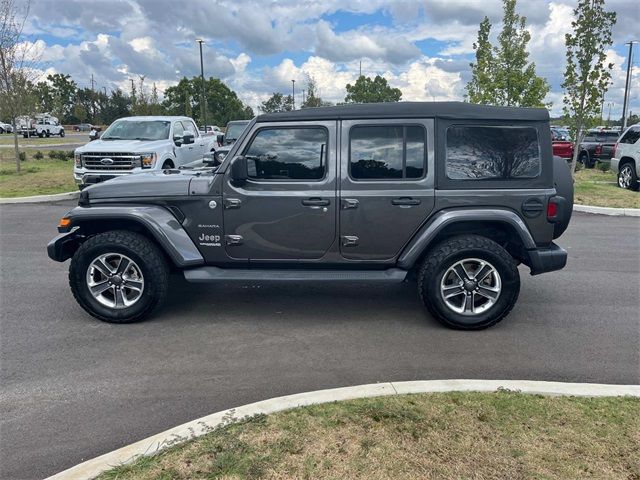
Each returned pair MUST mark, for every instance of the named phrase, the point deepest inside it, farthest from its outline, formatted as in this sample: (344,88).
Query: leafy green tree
(312,98)
(586,77)
(277,103)
(502,74)
(223,103)
(482,88)
(366,90)
(118,105)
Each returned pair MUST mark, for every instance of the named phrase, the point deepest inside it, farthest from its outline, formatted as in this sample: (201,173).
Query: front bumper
(63,246)
(92,177)
(543,260)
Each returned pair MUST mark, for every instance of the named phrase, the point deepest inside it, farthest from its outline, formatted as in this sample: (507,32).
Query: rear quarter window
(492,153)
(631,136)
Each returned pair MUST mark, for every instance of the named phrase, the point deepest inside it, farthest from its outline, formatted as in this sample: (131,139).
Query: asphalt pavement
(73,388)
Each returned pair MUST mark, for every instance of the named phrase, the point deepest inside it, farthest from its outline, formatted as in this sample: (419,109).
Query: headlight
(147,160)
(78,159)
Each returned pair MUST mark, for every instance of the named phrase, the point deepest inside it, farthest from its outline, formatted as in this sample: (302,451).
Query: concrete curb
(617,212)
(156,443)
(41,198)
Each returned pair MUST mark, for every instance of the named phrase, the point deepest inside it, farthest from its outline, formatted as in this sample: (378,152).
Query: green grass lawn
(38,177)
(36,141)
(594,187)
(451,435)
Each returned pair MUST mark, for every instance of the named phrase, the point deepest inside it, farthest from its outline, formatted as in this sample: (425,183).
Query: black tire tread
(144,248)
(452,245)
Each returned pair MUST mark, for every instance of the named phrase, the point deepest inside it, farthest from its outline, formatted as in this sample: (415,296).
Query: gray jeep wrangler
(453,195)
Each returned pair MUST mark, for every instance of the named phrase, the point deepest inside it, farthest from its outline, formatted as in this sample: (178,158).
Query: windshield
(234,130)
(137,130)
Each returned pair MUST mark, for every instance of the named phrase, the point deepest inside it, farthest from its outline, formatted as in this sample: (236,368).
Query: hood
(135,146)
(168,183)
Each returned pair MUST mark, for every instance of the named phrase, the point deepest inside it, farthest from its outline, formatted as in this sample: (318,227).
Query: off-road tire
(446,254)
(138,248)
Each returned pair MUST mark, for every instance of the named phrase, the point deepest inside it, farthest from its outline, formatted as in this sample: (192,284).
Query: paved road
(74,388)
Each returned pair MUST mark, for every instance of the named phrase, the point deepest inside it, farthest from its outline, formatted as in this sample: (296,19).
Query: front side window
(178,129)
(288,154)
(492,153)
(387,152)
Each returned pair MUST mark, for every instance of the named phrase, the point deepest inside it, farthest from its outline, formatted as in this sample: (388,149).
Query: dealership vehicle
(140,144)
(561,143)
(597,146)
(454,195)
(83,127)
(5,128)
(626,158)
(209,130)
(42,125)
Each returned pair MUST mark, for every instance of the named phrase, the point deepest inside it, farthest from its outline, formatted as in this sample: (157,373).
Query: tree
(502,74)
(16,61)
(223,104)
(586,77)
(277,103)
(117,105)
(366,90)
(312,99)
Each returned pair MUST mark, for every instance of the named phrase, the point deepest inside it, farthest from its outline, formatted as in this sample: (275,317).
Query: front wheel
(628,177)
(41,134)
(119,276)
(469,282)
(61,133)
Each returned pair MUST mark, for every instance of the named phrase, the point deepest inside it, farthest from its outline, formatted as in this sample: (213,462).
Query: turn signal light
(64,222)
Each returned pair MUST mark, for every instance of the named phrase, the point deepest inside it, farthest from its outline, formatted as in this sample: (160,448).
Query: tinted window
(476,153)
(632,135)
(589,138)
(387,152)
(288,154)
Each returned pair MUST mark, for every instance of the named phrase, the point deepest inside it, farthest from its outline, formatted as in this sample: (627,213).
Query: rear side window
(288,154)
(632,136)
(496,153)
(394,152)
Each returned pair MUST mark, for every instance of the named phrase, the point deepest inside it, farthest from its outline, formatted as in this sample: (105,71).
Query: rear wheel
(119,276)
(469,282)
(41,134)
(584,160)
(628,177)
(61,133)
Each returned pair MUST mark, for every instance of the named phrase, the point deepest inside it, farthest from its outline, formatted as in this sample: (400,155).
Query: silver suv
(626,158)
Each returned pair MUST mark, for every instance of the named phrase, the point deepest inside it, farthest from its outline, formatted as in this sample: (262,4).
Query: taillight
(552,210)
(598,149)
(615,150)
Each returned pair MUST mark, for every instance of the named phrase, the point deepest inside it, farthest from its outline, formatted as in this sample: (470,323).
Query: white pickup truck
(44,125)
(140,144)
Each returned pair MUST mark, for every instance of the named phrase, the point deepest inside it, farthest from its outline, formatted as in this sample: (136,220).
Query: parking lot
(74,388)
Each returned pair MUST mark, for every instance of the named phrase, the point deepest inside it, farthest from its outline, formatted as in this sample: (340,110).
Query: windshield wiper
(143,138)
(111,138)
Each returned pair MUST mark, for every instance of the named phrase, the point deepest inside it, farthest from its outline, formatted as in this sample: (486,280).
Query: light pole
(293,93)
(203,100)
(610,104)
(627,85)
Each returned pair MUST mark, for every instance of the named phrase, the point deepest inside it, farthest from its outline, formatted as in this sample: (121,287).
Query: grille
(121,161)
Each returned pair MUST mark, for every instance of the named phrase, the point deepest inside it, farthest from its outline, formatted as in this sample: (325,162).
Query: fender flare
(428,232)
(156,220)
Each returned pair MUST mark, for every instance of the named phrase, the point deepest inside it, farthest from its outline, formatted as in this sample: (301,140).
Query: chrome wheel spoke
(488,292)
(134,285)
(470,286)
(452,291)
(118,294)
(115,281)
(460,271)
(123,265)
(99,287)
(102,267)
(468,302)
(482,272)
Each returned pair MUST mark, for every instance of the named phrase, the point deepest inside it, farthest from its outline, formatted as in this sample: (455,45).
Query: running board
(214,274)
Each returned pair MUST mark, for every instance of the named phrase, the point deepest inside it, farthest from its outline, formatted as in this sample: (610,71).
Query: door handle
(230,203)
(405,201)
(316,202)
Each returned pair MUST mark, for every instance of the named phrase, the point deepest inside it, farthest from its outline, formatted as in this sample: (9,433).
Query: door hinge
(349,240)
(348,203)
(230,203)
(233,239)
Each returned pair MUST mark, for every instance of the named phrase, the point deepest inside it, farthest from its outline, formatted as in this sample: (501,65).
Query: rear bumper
(615,162)
(543,260)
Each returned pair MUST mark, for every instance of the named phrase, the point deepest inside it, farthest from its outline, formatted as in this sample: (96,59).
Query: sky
(423,47)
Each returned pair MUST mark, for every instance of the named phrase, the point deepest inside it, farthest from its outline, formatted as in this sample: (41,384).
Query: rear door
(386,185)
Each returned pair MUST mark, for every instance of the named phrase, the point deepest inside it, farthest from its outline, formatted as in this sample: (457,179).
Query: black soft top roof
(451,110)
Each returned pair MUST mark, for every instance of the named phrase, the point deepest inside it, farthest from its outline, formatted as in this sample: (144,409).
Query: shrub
(38,155)
(22,156)
(603,166)
(52,154)
(579,166)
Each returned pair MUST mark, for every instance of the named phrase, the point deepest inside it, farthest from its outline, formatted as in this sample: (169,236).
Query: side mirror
(239,171)
(177,139)
(210,160)
(188,139)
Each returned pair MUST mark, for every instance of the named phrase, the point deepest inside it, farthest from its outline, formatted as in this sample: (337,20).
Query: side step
(214,274)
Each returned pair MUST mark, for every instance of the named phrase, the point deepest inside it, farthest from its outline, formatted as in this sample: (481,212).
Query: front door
(386,186)
(287,208)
